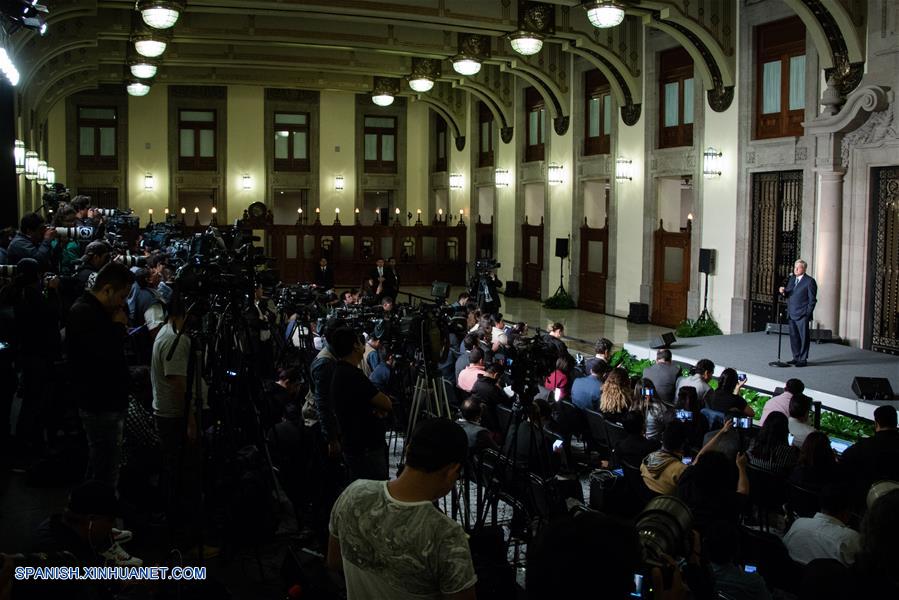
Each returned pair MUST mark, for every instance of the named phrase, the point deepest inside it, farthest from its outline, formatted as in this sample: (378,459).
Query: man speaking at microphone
(801,292)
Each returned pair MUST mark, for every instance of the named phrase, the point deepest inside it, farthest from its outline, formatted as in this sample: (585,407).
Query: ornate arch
(548,90)
(444,111)
(493,102)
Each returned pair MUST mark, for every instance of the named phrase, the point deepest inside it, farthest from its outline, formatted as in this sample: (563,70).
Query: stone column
(828,248)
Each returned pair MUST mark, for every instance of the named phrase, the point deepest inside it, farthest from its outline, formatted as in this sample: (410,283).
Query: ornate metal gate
(885,261)
(776,223)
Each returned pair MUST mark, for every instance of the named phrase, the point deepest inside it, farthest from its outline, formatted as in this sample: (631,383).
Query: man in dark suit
(324,275)
(382,280)
(801,292)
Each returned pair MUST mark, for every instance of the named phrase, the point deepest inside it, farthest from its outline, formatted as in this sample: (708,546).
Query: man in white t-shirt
(390,540)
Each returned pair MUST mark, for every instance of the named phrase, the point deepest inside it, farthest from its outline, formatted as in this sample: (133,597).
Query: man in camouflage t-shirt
(389,539)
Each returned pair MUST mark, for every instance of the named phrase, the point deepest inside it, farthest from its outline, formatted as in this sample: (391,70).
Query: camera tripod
(429,398)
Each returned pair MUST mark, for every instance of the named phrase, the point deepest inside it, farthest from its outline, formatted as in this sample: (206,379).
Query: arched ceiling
(342,44)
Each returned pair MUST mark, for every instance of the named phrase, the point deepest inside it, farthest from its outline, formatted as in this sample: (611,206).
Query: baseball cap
(97,248)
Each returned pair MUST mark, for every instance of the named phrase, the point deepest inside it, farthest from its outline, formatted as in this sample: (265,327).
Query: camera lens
(664,528)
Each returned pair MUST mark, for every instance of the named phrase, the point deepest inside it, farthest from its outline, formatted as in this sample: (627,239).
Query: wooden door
(285,246)
(483,244)
(594,267)
(671,279)
(532,260)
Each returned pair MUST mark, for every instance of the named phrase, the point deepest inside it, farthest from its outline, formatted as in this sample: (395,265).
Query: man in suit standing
(324,276)
(801,292)
(381,280)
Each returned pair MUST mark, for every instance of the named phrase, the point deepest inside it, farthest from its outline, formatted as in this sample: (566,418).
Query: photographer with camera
(33,240)
(85,214)
(67,252)
(95,339)
(96,255)
(360,409)
(485,286)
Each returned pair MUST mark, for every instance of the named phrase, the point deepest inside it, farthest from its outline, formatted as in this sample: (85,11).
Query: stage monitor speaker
(512,289)
(872,388)
(561,247)
(639,312)
(707,260)
(663,341)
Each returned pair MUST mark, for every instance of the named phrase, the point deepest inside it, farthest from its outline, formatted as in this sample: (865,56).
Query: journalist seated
(479,437)
(586,391)
(662,469)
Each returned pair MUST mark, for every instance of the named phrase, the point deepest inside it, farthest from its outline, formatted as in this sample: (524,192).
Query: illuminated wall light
(339,183)
(502,178)
(149,181)
(51,175)
(455,181)
(19,154)
(31,160)
(8,68)
(41,172)
(624,169)
(555,174)
(246,182)
(712,162)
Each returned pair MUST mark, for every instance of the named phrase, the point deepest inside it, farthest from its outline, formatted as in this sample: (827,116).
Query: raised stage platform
(828,376)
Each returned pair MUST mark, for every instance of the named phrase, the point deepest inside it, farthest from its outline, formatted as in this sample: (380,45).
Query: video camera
(484,266)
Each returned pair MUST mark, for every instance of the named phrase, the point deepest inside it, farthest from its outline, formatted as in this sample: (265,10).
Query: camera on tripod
(484,266)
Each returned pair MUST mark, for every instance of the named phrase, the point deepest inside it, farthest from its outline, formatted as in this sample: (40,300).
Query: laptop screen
(839,446)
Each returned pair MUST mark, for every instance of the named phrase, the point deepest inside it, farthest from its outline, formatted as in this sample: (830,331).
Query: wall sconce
(150,212)
(461,214)
(455,181)
(183,215)
(41,172)
(149,182)
(19,154)
(247,182)
(624,169)
(711,166)
(339,183)
(31,160)
(51,175)
(502,178)
(554,174)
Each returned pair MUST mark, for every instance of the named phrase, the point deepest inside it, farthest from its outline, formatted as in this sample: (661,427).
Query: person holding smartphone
(727,397)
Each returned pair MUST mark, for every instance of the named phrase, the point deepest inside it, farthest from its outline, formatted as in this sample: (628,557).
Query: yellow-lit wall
(338,122)
(629,207)
(56,133)
(417,151)
(148,152)
(246,156)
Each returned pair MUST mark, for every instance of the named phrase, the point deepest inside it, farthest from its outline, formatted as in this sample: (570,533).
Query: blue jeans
(104,431)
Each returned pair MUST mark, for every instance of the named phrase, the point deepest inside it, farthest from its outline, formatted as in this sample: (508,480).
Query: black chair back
(802,501)
(614,433)
(504,417)
(767,552)
(596,429)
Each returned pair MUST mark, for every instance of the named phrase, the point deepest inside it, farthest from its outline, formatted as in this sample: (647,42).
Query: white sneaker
(120,558)
(120,536)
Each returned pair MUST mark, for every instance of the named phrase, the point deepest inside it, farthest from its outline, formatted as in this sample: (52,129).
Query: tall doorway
(380,201)
(532,241)
(672,245)
(775,223)
(594,255)
(884,268)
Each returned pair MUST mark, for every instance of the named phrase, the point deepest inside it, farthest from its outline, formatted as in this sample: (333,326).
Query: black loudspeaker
(639,313)
(512,289)
(561,247)
(872,388)
(707,260)
(663,341)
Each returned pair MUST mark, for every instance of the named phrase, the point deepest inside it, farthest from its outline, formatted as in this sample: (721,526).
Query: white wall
(417,146)
(629,207)
(246,139)
(148,153)
(719,211)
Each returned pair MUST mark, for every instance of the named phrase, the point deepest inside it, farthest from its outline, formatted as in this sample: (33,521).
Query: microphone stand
(779,362)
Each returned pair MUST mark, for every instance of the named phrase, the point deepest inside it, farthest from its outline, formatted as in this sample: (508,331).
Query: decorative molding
(291,95)
(878,128)
(677,161)
(630,114)
(871,98)
(202,92)
(767,153)
(560,125)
